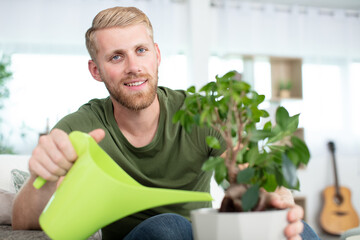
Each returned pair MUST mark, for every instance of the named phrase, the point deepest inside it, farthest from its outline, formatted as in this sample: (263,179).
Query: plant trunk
(232,199)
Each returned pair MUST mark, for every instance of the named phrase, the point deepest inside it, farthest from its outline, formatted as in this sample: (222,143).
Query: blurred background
(302,54)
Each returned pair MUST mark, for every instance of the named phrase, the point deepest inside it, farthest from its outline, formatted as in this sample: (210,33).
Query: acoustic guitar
(338,214)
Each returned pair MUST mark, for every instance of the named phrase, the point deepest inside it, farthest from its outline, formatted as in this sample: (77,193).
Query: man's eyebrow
(116,51)
(141,45)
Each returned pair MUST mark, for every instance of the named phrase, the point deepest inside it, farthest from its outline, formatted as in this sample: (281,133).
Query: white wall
(318,36)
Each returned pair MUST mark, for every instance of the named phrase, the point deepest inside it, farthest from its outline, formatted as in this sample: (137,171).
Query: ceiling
(343,4)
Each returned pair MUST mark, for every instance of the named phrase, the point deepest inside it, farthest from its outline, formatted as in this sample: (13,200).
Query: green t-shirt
(173,159)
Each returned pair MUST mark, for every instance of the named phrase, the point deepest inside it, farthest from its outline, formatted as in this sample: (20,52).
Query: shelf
(287,71)
(301,201)
(278,99)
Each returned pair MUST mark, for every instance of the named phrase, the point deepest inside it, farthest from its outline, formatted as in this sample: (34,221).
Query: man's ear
(157,49)
(94,70)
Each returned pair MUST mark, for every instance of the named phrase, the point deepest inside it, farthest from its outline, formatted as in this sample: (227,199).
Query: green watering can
(97,192)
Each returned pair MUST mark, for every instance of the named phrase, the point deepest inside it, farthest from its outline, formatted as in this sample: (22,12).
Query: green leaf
(282,117)
(220,173)
(265,114)
(245,175)
(293,123)
(204,116)
(267,126)
(250,198)
(187,122)
(270,184)
(260,99)
(289,171)
(293,156)
(252,155)
(177,116)
(213,142)
(211,86)
(286,122)
(301,149)
(229,74)
(191,89)
(191,102)
(212,162)
(258,135)
(279,176)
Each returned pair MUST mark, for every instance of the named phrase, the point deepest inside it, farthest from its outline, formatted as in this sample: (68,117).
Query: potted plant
(270,151)
(285,87)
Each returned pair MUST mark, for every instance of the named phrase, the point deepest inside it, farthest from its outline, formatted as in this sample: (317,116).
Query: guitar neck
(332,150)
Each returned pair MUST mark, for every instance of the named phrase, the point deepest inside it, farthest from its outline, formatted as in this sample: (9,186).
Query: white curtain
(271,29)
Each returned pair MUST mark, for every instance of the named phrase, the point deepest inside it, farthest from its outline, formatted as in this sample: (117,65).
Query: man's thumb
(97,134)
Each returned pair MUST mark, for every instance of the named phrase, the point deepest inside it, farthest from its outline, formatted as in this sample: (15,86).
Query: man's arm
(29,203)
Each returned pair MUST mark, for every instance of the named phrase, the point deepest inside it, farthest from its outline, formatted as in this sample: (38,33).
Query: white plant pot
(209,224)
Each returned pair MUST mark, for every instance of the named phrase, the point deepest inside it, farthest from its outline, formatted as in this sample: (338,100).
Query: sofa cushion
(9,162)
(6,201)
(19,178)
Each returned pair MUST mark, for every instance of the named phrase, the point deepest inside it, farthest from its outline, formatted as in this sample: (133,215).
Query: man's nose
(132,64)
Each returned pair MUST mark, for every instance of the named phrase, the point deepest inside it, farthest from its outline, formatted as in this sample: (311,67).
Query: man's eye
(141,50)
(116,57)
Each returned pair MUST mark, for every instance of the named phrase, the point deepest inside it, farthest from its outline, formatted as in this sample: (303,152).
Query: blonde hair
(115,17)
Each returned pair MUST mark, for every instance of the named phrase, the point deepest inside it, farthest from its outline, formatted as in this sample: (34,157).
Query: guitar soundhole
(338,199)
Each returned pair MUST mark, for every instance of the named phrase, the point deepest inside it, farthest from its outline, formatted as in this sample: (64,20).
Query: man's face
(127,62)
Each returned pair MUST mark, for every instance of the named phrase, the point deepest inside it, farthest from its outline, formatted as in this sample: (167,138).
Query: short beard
(139,100)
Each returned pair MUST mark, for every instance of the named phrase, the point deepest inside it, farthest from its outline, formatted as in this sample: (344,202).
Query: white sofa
(7,194)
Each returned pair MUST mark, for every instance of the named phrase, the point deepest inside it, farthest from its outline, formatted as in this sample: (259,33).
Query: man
(134,127)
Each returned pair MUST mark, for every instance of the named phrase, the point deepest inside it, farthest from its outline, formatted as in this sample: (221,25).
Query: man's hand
(282,198)
(54,155)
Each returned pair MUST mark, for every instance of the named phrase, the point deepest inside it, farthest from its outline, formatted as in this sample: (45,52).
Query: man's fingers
(97,134)
(243,166)
(297,237)
(63,145)
(296,226)
(281,198)
(53,156)
(295,213)
(39,170)
(293,230)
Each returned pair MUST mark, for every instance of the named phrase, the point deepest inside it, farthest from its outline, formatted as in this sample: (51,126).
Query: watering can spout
(97,191)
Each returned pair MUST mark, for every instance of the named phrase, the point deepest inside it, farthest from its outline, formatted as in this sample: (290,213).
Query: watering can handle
(78,140)
(39,182)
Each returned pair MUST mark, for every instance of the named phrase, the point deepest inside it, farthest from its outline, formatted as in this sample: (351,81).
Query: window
(173,72)
(354,96)
(323,96)
(45,88)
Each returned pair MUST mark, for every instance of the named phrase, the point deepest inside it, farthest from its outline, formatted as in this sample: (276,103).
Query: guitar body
(338,216)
